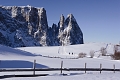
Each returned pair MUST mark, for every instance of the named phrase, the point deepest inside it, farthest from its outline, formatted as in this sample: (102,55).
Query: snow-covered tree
(92,53)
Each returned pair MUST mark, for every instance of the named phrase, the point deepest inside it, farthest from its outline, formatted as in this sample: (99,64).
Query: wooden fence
(61,69)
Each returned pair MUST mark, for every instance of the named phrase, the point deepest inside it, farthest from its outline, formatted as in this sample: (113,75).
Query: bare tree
(103,51)
(92,53)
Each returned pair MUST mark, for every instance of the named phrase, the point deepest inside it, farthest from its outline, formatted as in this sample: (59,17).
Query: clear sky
(99,20)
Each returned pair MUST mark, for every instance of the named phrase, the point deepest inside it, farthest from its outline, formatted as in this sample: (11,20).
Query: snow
(23,57)
(76,49)
(7,51)
(74,76)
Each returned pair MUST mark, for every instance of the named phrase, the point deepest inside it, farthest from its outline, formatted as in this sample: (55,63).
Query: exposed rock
(28,26)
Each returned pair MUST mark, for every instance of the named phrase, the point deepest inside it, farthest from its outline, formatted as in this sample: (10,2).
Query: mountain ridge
(28,26)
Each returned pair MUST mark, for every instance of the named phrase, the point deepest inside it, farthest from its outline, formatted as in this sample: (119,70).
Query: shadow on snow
(19,64)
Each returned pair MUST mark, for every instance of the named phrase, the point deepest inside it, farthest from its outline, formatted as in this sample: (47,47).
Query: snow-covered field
(24,57)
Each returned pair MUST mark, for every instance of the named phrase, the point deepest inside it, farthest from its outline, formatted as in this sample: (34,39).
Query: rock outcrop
(28,26)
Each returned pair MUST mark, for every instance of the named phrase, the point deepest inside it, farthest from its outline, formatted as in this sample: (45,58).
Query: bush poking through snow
(116,55)
(81,55)
(115,48)
(103,51)
(92,53)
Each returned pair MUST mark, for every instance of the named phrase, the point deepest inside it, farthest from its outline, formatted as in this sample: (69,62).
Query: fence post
(34,67)
(61,66)
(100,68)
(114,67)
(85,67)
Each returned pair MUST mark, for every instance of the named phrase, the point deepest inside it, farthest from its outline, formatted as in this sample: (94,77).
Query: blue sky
(98,19)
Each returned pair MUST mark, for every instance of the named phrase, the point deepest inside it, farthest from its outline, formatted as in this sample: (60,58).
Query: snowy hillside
(23,58)
(63,51)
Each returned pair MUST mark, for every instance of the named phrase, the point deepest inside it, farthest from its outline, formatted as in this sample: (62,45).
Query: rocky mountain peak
(71,17)
(71,32)
(28,26)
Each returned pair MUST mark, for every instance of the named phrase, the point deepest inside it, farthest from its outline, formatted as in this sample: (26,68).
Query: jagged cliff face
(73,32)
(28,26)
